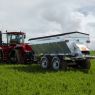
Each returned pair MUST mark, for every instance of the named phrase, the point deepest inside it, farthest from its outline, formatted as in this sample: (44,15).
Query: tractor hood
(24,47)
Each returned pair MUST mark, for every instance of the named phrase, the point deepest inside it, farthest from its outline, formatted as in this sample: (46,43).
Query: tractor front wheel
(16,56)
(13,57)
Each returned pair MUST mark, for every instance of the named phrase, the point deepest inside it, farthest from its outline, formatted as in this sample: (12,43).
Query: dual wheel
(55,62)
(16,56)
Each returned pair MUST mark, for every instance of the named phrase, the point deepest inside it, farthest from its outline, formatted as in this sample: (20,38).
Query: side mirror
(87,41)
(24,36)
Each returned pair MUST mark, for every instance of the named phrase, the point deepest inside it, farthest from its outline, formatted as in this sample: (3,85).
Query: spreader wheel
(45,64)
(56,63)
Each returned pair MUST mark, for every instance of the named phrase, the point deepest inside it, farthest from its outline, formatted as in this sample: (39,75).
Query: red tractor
(15,50)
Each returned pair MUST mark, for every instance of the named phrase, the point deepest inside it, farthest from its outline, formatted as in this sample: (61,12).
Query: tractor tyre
(56,62)
(45,63)
(13,57)
(16,56)
(1,56)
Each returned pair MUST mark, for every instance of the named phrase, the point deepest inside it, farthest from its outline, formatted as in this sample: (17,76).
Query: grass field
(32,80)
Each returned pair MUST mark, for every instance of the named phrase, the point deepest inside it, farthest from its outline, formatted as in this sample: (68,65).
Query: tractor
(15,50)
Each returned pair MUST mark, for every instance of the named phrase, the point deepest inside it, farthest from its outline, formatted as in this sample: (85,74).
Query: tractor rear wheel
(55,63)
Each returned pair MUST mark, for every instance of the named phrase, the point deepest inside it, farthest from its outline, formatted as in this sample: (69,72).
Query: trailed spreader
(57,52)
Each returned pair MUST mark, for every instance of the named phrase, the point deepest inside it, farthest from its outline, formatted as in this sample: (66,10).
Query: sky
(47,17)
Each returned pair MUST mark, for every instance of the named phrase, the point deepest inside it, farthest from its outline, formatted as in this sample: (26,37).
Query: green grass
(32,80)
(92,52)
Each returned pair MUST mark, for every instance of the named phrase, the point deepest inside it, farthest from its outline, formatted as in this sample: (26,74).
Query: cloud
(46,17)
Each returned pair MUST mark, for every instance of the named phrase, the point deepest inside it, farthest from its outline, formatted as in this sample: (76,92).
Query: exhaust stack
(0,37)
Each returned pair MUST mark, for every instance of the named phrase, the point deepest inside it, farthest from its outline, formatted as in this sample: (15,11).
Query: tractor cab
(13,49)
(14,38)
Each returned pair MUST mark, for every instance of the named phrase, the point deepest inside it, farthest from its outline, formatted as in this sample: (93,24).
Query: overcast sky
(46,17)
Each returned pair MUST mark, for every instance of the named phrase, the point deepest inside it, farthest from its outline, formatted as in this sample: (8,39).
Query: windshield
(13,38)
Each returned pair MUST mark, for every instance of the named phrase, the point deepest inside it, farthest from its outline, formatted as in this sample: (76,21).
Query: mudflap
(84,64)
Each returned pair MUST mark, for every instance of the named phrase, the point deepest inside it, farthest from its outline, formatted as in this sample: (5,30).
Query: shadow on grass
(35,68)
(31,69)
